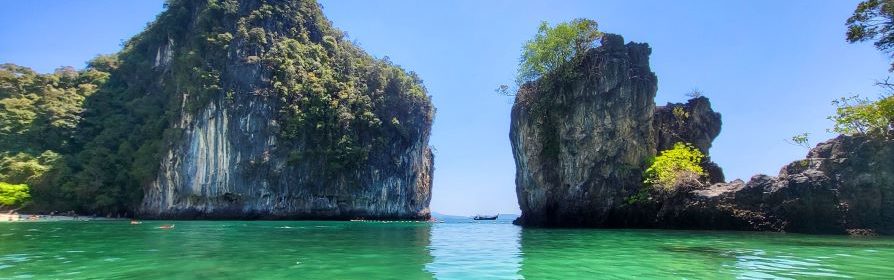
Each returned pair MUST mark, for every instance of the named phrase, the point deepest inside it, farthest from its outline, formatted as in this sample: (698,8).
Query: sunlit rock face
(695,123)
(230,160)
(582,142)
(226,167)
(844,185)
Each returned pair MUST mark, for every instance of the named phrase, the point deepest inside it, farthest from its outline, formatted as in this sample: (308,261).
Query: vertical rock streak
(229,160)
(579,157)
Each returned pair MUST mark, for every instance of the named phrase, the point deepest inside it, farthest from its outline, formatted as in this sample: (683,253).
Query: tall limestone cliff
(581,142)
(252,109)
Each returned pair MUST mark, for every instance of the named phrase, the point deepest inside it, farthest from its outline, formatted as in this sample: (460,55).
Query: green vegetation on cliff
(546,62)
(671,166)
(554,46)
(855,115)
(872,20)
(38,117)
(91,140)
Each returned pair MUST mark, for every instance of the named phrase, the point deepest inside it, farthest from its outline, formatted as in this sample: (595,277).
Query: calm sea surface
(372,250)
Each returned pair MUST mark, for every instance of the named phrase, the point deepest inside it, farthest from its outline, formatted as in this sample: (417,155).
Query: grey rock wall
(581,142)
(580,145)
(228,160)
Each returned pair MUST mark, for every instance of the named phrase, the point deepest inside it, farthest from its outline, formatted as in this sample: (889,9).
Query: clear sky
(771,68)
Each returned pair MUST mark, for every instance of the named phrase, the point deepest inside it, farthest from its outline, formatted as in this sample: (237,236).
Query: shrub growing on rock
(855,115)
(681,162)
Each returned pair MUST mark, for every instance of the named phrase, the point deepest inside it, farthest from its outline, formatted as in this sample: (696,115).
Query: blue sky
(771,68)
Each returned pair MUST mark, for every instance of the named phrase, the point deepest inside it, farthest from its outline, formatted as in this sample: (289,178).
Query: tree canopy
(856,115)
(554,46)
(873,20)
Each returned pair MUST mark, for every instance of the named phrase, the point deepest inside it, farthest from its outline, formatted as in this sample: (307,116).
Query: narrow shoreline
(51,218)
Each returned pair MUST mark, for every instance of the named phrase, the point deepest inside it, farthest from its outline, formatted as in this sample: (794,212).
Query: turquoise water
(371,250)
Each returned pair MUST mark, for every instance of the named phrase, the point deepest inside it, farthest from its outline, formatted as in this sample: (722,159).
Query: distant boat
(485,218)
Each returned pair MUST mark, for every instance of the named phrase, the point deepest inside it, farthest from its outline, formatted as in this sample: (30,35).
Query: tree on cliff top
(873,20)
(855,115)
(554,46)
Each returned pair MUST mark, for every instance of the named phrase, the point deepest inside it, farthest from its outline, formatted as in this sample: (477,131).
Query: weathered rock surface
(694,122)
(581,142)
(845,185)
(230,160)
(580,145)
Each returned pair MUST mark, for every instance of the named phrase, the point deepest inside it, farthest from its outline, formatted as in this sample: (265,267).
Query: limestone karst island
(297,139)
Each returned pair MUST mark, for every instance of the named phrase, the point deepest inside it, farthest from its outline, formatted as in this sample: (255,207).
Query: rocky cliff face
(693,122)
(580,145)
(298,123)
(227,166)
(581,142)
(845,185)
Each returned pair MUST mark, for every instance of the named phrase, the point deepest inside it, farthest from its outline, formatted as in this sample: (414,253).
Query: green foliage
(39,111)
(38,117)
(336,100)
(13,195)
(546,62)
(554,46)
(873,20)
(17,116)
(339,105)
(680,114)
(640,196)
(25,168)
(90,140)
(802,140)
(683,161)
(855,115)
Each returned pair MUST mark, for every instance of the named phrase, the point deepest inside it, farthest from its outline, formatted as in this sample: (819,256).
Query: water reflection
(216,250)
(593,253)
(370,250)
(475,251)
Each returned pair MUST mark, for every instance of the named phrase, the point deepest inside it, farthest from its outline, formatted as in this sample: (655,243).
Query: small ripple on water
(444,251)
